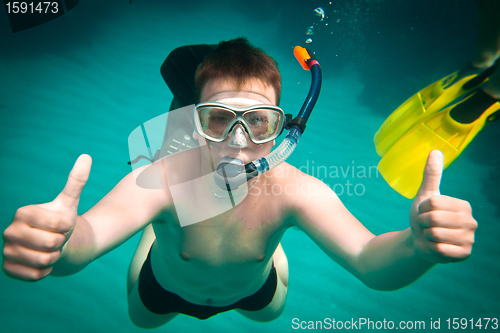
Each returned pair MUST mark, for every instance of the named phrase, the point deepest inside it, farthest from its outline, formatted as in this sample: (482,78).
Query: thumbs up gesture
(35,237)
(443,227)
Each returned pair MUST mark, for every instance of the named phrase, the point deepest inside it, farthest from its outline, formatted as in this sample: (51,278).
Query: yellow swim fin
(442,117)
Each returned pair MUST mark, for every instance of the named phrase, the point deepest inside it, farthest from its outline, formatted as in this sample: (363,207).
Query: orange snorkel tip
(302,56)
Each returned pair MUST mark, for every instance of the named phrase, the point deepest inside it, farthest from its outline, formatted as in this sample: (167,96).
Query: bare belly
(206,283)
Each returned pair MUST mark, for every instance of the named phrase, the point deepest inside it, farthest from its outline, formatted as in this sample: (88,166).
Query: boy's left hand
(443,227)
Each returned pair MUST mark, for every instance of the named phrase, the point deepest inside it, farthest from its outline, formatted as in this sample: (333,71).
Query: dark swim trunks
(160,301)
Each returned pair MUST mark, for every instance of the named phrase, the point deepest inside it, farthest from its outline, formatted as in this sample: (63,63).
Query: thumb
(432,176)
(77,179)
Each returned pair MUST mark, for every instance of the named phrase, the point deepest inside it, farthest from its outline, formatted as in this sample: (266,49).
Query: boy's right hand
(35,237)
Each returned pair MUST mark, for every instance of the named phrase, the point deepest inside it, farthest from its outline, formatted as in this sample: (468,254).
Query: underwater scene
(84,81)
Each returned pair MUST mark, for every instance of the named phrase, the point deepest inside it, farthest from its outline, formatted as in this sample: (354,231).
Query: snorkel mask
(262,122)
(231,173)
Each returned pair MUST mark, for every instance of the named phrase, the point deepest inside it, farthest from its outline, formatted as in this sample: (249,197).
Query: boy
(230,259)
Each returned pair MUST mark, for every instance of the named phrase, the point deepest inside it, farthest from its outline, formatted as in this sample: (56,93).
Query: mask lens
(263,123)
(214,121)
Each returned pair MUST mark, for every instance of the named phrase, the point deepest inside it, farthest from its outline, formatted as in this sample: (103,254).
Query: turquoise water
(83,82)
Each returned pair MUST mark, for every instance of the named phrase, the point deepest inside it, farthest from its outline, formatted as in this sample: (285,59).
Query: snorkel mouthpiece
(231,173)
(231,167)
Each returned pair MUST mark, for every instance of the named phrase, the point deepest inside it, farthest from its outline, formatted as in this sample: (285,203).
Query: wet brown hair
(238,60)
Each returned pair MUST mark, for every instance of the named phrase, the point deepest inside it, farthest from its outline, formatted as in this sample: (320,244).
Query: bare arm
(384,262)
(51,239)
(389,261)
(123,212)
(442,230)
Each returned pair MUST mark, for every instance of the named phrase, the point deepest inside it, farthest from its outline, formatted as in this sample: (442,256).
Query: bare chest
(246,233)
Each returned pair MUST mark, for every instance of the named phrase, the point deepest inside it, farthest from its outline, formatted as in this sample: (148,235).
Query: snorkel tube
(231,173)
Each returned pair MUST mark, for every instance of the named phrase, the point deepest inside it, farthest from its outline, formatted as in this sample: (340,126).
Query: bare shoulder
(299,189)
(316,209)
(301,197)
(149,186)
